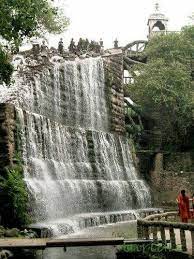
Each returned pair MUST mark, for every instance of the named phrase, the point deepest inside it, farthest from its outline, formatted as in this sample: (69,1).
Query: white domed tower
(157,22)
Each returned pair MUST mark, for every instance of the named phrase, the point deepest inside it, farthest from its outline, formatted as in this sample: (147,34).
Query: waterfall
(73,165)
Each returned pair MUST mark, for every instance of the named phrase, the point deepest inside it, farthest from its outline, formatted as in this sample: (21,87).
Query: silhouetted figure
(116,44)
(94,46)
(86,45)
(44,47)
(72,47)
(60,46)
(80,45)
(35,48)
(101,43)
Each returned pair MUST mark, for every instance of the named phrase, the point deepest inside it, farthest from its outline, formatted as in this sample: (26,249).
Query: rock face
(114,81)
(72,137)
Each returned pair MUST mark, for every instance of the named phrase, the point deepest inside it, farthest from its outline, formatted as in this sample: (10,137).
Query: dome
(157,16)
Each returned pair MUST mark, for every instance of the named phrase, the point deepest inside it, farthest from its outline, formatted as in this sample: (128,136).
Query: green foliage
(6,69)
(17,197)
(172,47)
(26,18)
(163,86)
(151,251)
(22,19)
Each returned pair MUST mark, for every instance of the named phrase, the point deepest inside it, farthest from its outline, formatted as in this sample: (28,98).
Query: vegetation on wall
(23,19)
(163,87)
(150,251)
(15,204)
(6,69)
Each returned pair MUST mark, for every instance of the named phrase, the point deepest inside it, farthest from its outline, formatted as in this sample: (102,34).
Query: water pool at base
(123,229)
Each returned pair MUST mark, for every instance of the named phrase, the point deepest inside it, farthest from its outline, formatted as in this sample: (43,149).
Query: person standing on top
(183,204)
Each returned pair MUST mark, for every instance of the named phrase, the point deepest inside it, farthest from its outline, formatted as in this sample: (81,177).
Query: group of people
(183,201)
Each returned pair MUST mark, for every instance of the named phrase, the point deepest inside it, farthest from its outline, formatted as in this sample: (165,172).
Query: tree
(22,19)
(163,86)
(174,46)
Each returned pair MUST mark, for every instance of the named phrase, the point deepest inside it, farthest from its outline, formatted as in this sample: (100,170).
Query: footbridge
(157,228)
(43,243)
(166,226)
(134,53)
(135,48)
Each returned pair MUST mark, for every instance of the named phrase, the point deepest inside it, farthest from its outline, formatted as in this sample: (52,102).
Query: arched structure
(133,53)
(157,20)
(135,47)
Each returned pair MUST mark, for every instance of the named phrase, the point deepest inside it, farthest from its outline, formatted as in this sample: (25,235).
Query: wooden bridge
(42,243)
(165,226)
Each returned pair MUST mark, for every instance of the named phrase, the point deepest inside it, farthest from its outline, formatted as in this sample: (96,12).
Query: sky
(122,19)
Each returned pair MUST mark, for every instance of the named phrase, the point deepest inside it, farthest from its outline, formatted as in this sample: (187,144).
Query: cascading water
(74,168)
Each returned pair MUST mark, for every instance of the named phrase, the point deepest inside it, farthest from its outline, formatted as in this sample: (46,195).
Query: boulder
(13,232)
(2,231)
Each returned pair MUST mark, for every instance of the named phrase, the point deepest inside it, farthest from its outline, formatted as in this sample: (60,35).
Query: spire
(157,20)
(116,43)
(157,7)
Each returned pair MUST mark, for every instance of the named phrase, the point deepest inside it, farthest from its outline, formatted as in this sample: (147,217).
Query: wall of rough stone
(7,136)
(114,83)
(170,174)
(9,128)
(115,97)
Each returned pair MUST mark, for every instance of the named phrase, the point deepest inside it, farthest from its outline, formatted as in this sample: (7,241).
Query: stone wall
(115,96)
(114,83)
(7,136)
(170,174)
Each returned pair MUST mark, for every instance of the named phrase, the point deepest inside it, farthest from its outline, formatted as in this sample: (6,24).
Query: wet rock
(5,254)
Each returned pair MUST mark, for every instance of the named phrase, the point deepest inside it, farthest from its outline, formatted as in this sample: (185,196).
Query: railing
(162,225)
(128,80)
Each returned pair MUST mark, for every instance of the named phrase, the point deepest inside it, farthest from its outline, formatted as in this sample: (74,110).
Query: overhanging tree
(22,19)
(163,86)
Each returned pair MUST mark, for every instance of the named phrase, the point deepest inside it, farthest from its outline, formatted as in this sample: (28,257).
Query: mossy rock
(2,231)
(13,232)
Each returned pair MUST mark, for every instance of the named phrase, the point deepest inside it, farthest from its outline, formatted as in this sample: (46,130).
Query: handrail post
(183,240)
(192,238)
(139,230)
(146,232)
(163,237)
(156,223)
(155,234)
(172,237)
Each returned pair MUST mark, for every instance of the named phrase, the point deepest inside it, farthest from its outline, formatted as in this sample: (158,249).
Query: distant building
(157,22)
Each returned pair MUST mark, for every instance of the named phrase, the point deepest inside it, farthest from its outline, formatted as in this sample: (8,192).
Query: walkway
(164,227)
(42,243)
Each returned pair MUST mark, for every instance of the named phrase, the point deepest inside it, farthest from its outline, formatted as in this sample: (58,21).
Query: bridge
(133,53)
(42,243)
(156,228)
(165,226)
(135,48)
